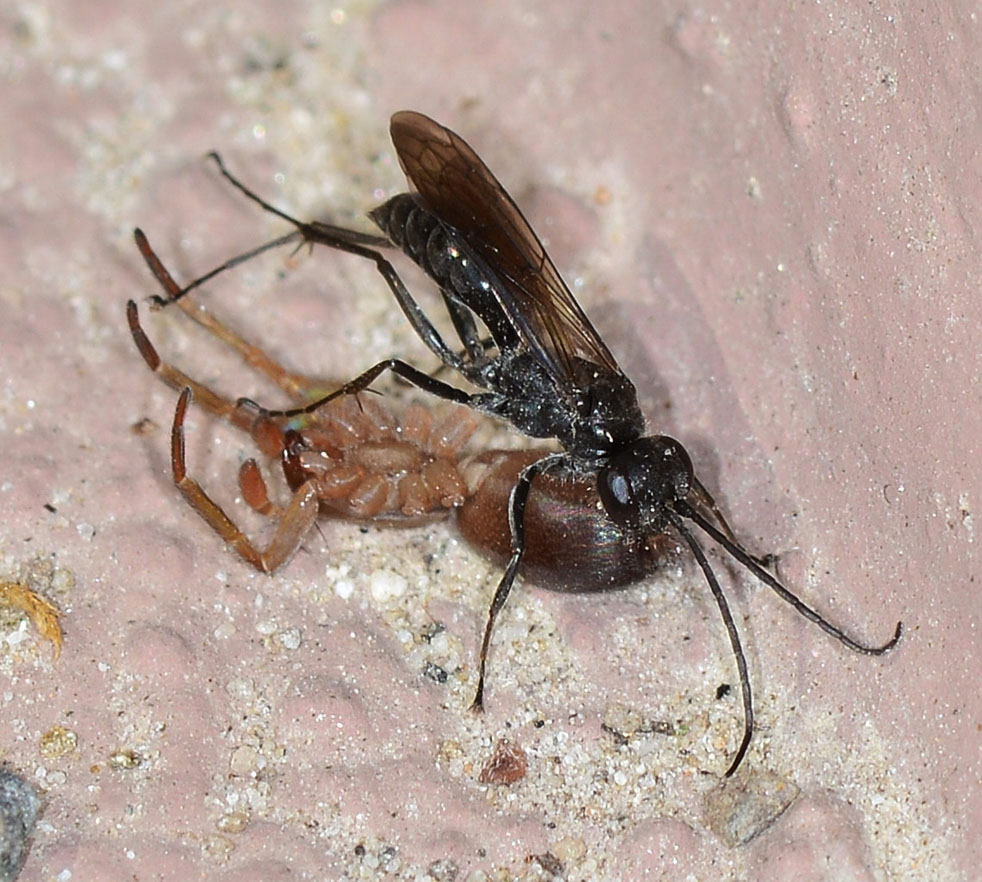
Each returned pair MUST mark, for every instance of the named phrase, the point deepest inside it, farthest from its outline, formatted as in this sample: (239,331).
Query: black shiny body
(601,415)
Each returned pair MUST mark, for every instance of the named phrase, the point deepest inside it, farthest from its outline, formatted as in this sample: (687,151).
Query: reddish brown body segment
(570,544)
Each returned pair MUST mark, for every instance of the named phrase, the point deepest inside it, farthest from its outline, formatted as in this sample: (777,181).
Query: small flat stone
(743,807)
(19,806)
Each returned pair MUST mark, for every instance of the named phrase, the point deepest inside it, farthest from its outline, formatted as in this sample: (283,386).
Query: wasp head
(642,480)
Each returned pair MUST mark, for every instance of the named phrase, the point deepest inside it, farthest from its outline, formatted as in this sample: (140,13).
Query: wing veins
(459,188)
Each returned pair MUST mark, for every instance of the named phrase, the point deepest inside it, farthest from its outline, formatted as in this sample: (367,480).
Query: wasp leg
(516,521)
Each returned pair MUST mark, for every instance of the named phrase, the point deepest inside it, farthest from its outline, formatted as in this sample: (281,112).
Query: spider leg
(253,488)
(177,379)
(295,385)
(292,527)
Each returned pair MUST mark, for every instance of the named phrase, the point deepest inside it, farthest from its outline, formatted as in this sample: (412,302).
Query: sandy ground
(771,211)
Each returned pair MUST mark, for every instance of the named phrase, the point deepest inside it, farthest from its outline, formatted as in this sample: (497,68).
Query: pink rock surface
(770,211)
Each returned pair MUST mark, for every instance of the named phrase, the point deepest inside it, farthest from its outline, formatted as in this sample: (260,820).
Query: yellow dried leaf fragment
(43,614)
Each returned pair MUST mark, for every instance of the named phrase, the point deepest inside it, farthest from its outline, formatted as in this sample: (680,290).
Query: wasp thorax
(643,479)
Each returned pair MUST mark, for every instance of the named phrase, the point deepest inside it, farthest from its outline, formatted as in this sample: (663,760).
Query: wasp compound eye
(644,480)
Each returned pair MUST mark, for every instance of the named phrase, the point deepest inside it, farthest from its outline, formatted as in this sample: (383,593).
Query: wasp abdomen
(437,249)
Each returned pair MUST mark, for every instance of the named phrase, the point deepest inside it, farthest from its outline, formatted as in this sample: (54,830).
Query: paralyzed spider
(352,459)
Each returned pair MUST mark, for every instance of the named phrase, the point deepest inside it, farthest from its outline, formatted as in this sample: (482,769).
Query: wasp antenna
(739,553)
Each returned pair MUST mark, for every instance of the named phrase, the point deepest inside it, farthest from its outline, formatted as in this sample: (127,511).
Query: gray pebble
(744,806)
(19,806)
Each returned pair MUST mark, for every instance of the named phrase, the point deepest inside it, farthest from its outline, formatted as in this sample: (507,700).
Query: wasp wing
(460,190)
